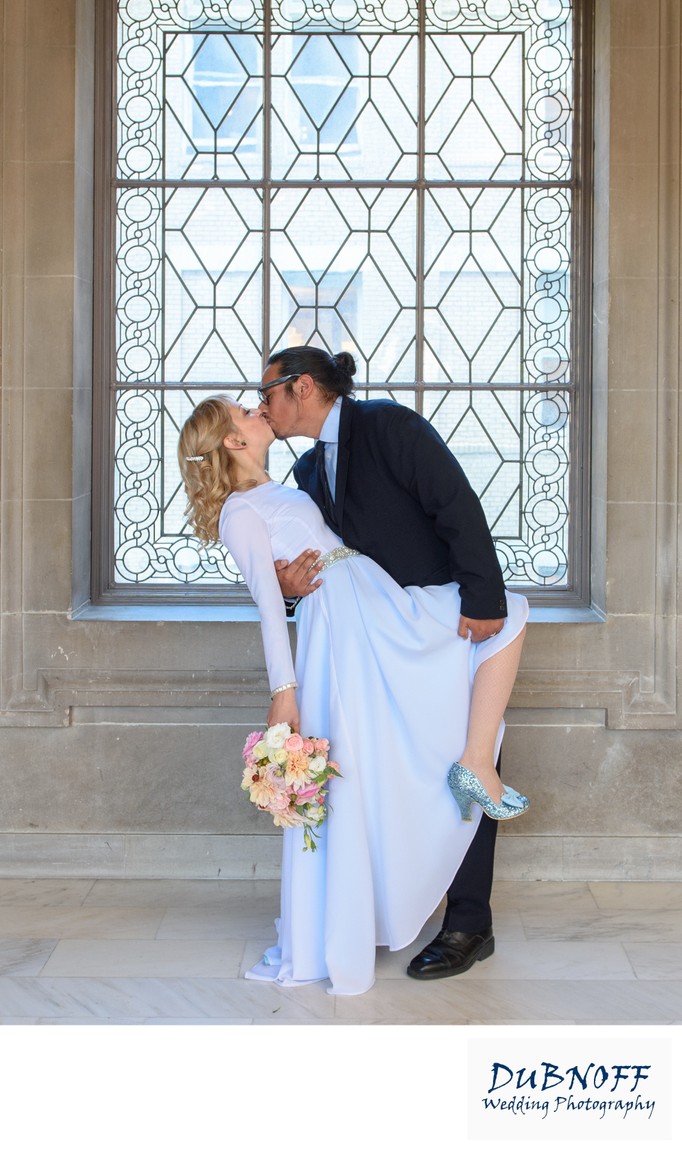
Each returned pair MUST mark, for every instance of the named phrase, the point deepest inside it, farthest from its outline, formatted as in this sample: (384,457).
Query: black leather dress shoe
(451,952)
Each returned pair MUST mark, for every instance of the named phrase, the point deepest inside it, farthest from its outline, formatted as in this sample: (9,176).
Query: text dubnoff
(546,1089)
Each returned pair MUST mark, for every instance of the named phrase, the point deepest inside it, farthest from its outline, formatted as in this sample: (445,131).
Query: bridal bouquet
(287,776)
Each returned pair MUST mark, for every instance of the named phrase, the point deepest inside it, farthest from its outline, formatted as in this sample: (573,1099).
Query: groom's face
(281,410)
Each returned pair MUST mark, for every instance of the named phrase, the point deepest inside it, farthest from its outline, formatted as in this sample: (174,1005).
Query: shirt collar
(330,427)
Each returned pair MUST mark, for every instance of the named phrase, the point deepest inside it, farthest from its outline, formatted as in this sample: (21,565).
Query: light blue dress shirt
(330,437)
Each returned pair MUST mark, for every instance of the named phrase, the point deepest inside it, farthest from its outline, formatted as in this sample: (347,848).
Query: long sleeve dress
(384,676)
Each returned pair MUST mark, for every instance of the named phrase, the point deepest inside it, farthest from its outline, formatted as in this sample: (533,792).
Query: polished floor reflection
(173,952)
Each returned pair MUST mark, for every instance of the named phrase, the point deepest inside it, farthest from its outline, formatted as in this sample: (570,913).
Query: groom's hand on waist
(298,578)
(479,629)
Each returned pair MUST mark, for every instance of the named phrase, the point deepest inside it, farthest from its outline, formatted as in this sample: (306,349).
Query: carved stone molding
(58,691)
(618,693)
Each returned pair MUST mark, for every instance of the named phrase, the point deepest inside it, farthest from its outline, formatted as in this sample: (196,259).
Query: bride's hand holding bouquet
(283,709)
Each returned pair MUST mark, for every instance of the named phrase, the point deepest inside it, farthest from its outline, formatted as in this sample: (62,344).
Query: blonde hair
(207,467)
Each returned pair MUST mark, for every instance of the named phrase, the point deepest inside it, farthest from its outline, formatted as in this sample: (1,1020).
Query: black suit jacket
(402,498)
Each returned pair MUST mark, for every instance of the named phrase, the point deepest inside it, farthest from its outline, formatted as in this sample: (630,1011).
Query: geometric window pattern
(284,173)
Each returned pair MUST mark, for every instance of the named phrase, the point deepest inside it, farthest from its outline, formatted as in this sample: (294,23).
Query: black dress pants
(468,906)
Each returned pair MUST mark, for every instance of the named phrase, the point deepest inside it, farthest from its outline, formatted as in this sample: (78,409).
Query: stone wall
(120,728)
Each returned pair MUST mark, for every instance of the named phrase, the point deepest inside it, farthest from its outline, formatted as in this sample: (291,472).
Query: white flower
(260,751)
(278,756)
(315,814)
(317,764)
(276,736)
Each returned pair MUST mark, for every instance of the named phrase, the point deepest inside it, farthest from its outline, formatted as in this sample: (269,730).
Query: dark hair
(333,374)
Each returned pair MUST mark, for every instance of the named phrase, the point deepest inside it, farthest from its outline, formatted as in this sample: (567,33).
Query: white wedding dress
(385,677)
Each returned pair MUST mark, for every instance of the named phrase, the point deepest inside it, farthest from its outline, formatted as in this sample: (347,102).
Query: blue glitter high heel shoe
(467,789)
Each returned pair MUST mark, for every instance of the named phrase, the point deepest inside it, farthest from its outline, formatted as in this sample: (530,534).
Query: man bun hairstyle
(333,374)
(344,363)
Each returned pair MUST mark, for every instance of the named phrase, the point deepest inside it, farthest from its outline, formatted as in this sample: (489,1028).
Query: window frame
(105,591)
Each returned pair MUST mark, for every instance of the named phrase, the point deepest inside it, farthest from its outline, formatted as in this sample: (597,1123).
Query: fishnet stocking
(492,687)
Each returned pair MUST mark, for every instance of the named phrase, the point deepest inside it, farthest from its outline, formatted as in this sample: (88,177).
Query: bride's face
(250,426)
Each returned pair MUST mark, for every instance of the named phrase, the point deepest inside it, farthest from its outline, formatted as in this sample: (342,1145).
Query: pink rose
(293,743)
(252,739)
(308,746)
(321,745)
(306,793)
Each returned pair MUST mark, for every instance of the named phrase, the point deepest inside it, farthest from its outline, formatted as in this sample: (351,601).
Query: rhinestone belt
(332,557)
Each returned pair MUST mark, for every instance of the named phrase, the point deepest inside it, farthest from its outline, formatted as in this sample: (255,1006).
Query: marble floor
(168,952)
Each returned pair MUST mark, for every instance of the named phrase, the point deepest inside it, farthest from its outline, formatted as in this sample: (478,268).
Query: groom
(390,487)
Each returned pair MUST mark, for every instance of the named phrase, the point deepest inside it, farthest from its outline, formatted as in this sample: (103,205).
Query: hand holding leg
(479,629)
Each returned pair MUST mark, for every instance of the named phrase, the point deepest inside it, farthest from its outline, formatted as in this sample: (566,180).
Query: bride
(382,673)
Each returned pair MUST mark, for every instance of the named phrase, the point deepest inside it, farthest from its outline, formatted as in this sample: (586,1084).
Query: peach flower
(287,819)
(296,770)
(263,791)
(249,776)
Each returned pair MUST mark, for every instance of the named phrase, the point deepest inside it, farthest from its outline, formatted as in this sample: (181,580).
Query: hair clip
(193,458)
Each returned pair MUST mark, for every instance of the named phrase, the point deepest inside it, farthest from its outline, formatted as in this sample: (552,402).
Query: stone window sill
(247,613)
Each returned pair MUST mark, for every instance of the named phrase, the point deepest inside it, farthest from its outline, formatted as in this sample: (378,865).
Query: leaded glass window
(397,178)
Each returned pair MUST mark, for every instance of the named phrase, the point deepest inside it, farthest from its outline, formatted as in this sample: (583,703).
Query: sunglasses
(261,392)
